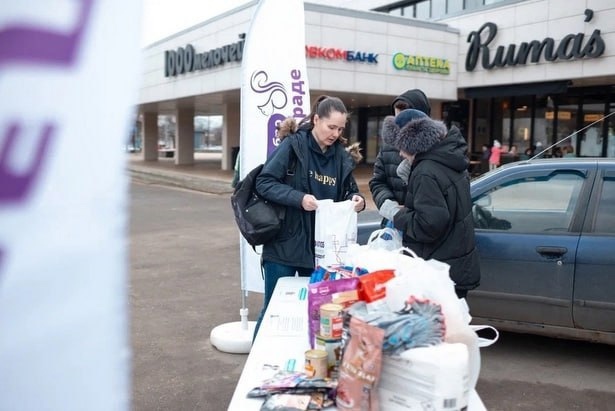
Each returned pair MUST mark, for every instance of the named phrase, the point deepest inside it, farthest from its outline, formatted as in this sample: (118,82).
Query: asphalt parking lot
(184,259)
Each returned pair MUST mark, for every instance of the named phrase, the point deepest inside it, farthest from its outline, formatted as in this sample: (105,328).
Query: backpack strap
(292,167)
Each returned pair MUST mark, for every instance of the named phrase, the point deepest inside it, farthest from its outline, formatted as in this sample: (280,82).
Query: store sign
(571,47)
(425,64)
(561,115)
(328,53)
(186,59)
(591,118)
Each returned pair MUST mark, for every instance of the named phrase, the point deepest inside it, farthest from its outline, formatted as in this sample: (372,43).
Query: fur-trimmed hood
(418,135)
(290,126)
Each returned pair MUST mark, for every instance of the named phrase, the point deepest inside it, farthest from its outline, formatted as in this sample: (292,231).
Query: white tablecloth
(282,341)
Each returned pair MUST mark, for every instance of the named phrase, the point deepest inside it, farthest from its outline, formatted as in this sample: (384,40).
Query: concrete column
(230,133)
(184,151)
(150,136)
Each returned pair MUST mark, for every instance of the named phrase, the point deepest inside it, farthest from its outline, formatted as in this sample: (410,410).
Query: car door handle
(551,252)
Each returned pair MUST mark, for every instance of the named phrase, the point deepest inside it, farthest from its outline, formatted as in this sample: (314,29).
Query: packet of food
(343,291)
(286,402)
(360,368)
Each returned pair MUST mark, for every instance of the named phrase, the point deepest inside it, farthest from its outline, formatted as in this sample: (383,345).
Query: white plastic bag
(371,259)
(335,230)
(430,279)
(385,239)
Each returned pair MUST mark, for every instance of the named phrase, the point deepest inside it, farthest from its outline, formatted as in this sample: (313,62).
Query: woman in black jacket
(436,218)
(322,170)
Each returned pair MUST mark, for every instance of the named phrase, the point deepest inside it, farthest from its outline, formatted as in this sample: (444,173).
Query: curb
(203,184)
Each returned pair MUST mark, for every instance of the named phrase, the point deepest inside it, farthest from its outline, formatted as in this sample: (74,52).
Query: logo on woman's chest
(323,179)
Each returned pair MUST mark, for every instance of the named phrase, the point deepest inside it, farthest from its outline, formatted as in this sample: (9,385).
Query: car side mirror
(484,201)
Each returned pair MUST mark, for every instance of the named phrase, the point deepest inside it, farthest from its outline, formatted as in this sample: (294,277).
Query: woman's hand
(309,202)
(359,203)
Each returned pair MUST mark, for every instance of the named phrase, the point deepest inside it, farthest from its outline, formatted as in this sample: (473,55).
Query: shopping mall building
(524,72)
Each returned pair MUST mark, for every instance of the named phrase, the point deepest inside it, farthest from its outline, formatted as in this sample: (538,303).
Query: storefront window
(610,147)
(454,6)
(522,126)
(502,121)
(481,123)
(473,4)
(350,132)
(566,109)
(438,8)
(373,137)
(540,121)
(423,11)
(591,138)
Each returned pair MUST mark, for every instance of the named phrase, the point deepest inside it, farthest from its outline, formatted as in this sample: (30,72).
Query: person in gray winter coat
(436,216)
(390,175)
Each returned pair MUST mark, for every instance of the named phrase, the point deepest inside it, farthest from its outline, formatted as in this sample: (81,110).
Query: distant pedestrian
(568,151)
(528,153)
(235,172)
(557,152)
(496,154)
(484,159)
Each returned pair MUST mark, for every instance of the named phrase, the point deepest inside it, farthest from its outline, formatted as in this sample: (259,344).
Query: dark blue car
(545,230)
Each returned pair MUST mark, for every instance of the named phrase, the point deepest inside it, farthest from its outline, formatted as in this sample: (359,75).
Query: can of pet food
(331,320)
(316,363)
(333,347)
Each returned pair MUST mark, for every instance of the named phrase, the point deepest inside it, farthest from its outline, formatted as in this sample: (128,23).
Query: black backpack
(259,220)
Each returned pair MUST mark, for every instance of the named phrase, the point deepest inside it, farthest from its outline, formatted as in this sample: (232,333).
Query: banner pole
(272,89)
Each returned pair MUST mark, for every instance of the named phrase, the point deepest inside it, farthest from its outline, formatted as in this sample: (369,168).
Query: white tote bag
(335,230)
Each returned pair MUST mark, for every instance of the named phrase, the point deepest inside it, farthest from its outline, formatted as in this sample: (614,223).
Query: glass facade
(610,147)
(521,123)
(576,120)
(434,9)
(374,118)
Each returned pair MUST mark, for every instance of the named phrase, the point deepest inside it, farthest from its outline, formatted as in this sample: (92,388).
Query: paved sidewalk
(206,174)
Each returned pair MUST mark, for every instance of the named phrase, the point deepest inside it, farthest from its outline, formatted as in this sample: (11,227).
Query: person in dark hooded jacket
(323,170)
(436,216)
(386,183)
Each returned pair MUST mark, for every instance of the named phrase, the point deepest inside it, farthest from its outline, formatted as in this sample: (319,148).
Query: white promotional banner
(68,80)
(274,86)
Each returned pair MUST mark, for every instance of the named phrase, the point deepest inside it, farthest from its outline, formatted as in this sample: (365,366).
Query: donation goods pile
(387,332)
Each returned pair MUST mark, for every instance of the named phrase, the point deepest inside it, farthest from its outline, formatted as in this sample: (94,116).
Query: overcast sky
(161,18)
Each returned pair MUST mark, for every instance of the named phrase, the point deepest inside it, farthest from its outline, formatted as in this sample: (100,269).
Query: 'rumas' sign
(571,47)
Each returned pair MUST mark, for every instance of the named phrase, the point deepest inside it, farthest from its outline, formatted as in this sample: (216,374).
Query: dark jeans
(274,271)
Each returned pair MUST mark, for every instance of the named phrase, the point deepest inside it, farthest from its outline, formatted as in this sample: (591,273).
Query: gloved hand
(403,170)
(389,209)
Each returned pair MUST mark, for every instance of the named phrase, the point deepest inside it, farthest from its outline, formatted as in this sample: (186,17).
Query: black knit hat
(415,99)
(412,131)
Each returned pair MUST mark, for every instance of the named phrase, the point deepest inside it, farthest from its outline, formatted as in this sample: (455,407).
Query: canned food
(333,347)
(331,320)
(316,363)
